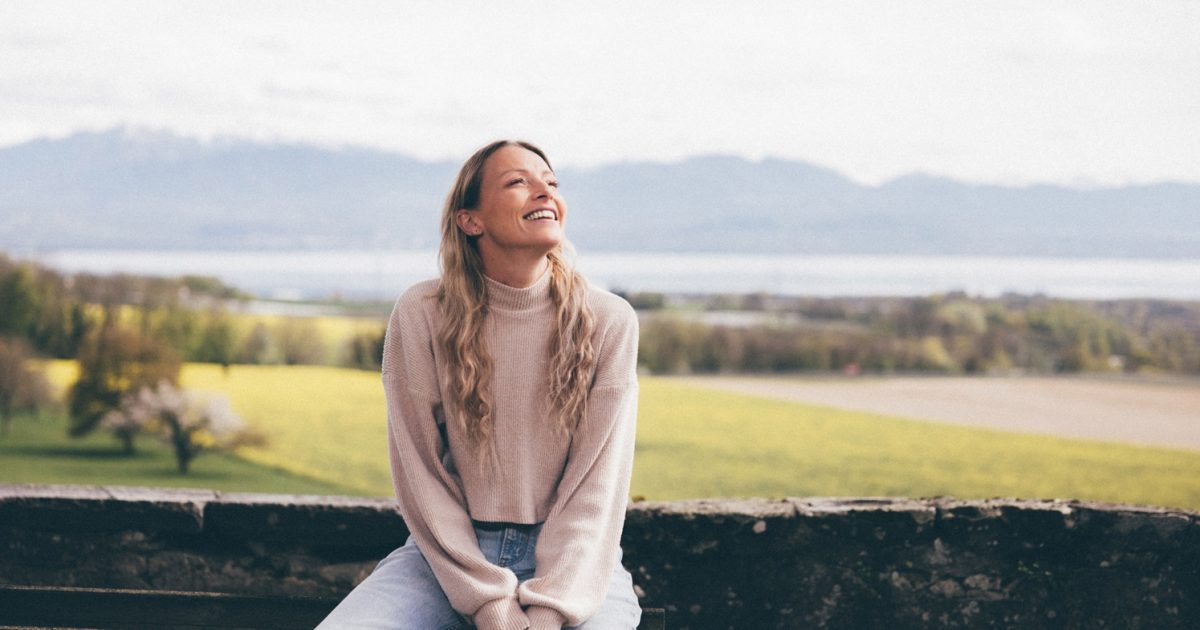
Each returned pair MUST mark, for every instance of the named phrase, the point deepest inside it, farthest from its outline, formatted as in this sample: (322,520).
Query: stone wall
(794,563)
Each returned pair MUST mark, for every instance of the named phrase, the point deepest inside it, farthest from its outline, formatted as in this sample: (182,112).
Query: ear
(467,223)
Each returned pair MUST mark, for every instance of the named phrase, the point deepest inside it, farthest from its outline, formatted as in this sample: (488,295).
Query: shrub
(21,389)
(299,341)
(365,350)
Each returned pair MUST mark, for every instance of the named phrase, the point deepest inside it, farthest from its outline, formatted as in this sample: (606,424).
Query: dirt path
(1140,412)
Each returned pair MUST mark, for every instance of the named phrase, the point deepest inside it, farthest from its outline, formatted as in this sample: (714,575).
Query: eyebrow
(523,170)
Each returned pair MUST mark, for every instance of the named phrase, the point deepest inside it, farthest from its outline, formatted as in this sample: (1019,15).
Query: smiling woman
(511,390)
(518,217)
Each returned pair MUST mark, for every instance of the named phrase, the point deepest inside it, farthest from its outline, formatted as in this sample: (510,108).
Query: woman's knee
(620,609)
(400,594)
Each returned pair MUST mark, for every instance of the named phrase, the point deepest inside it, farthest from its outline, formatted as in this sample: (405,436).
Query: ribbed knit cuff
(501,614)
(542,618)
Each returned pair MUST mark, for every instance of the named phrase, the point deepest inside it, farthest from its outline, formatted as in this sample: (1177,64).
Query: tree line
(59,315)
(55,313)
(950,333)
(130,335)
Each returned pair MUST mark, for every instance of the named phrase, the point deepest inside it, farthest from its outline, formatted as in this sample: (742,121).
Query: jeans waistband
(495,526)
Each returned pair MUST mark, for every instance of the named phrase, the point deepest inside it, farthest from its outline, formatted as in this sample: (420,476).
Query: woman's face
(519,205)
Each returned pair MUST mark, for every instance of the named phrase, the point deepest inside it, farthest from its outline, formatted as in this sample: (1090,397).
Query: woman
(512,398)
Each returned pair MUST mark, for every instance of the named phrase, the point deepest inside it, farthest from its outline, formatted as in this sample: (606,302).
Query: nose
(542,191)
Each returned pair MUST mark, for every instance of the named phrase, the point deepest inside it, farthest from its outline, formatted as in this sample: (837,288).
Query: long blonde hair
(462,298)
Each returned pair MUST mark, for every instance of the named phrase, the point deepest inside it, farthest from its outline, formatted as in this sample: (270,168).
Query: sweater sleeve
(430,498)
(578,545)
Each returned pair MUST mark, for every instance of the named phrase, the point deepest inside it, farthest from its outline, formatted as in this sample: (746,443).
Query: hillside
(137,190)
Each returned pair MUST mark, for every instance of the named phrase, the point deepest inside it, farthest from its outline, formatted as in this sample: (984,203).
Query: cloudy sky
(1085,92)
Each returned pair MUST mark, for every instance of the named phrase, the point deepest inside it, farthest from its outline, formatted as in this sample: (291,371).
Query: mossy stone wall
(792,563)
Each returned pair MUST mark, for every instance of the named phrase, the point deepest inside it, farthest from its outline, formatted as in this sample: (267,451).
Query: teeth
(540,214)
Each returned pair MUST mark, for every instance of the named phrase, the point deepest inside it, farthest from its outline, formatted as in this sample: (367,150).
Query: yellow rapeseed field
(329,424)
(323,422)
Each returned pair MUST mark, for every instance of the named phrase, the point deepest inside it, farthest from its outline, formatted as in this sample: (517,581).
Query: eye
(553,182)
(514,182)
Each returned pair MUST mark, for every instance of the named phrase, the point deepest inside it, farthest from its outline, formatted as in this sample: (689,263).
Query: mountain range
(129,189)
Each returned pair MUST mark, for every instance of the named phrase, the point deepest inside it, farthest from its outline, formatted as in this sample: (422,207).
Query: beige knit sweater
(577,486)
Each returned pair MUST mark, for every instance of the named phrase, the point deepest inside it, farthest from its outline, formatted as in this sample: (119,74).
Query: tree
(365,350)
(52,332)
(18,295)
(114,361)
(189,421)
(21,389)
(217,340)
(257,346)
(299,341)
(178,327)
(664,344)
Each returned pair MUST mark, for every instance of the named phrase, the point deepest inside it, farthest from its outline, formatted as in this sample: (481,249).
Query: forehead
(514,157)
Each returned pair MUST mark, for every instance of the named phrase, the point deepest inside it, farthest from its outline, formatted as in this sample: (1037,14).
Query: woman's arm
(430,498)
(577,547)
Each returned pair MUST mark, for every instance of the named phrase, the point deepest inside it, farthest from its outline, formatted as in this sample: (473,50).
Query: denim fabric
(403,594)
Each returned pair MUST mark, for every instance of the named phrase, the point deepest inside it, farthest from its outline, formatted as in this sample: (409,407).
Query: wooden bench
(43,607)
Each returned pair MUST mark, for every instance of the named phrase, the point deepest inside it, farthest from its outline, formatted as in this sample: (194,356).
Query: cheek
(498,209)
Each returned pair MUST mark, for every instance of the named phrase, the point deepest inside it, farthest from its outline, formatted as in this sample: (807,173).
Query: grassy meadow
(327,425)
(747,445)
(39,451)
(322,422)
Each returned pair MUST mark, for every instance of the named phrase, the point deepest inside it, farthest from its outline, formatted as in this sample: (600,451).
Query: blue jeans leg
(620,610)
(400,594)
(403,594)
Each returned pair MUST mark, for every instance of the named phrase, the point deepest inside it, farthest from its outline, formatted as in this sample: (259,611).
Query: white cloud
(1101,92)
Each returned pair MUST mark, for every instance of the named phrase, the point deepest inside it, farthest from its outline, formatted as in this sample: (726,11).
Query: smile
(541,214)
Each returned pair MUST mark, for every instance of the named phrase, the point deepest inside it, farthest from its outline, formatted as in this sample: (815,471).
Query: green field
(39,451)
(695,442)
(328,424)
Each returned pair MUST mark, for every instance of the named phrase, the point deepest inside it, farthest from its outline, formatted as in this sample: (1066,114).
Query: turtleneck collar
(508,298)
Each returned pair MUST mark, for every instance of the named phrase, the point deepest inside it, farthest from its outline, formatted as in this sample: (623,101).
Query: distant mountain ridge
(133,190)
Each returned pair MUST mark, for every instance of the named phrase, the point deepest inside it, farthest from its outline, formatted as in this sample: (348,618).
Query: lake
(384,274)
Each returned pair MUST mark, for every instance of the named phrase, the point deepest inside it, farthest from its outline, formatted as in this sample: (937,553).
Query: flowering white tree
(126,422)
(189,421)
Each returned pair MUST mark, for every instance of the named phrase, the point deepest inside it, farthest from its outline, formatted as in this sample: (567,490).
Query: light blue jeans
(403,594)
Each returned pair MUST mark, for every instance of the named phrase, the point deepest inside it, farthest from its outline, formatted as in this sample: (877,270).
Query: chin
(546,248)
(551,242)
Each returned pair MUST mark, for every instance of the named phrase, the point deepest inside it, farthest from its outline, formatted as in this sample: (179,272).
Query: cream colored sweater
(577,486)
